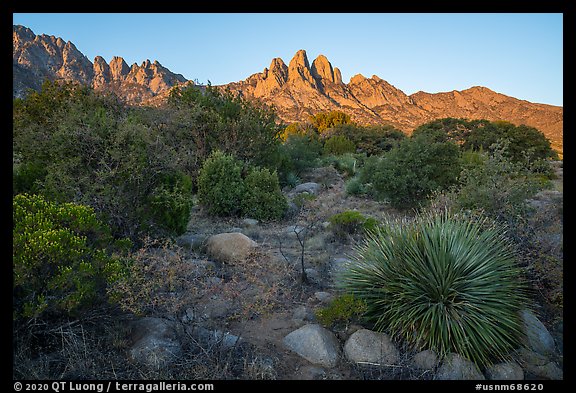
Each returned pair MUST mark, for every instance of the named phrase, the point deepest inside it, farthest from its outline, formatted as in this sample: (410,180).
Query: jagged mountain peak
(39,57)
(296,90)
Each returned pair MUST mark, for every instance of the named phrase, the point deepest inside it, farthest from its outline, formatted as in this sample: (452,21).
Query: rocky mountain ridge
(301,90)
(296,90)
(39,57)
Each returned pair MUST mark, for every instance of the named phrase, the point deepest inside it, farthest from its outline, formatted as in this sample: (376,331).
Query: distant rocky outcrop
(36,58)
(301,90)
(296,90)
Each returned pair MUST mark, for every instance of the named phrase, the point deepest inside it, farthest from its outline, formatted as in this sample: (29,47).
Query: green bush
(171,202)
(351,222)
(263,199)
(221,187)
(498,186)
(442,282)
(61,259)
(343,310)
(369,140)
(325,120)
(354,186)
(300,153)
(338,145)
(408,174)
(347,163)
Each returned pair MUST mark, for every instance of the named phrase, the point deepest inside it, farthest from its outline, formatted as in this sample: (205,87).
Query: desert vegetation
(438,241)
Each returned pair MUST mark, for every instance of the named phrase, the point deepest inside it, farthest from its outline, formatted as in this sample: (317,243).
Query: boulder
(455,367)
(425,360)
(315,344)
(366,346)
(313,276)
(538,338)
(154,342)
(505,371)
(230,247)
(310,188)
(191,242)
(324,297)
(539,365)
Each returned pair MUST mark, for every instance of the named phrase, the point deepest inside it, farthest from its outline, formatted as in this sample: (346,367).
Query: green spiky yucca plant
(442,282)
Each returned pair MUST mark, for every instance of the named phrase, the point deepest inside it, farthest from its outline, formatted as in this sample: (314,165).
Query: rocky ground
(248,297)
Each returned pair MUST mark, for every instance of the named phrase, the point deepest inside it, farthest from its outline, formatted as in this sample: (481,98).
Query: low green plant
(347,163)
(351,222)
(62,257)
(343,310)
(443,282)
(338,145)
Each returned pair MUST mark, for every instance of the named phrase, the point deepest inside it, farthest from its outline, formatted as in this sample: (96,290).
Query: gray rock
(230,247)
(505,371)
(538,338)
(302,314)
(249,222)
(367,346)
(315,344)
(154,342)
(313,276)
(310,188)
(215,307)
(191,242)
(539,365)
(425,360)
(324,297)
(211,338)
(455,367)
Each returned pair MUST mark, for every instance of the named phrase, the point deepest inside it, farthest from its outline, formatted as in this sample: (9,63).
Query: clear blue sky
(520,55)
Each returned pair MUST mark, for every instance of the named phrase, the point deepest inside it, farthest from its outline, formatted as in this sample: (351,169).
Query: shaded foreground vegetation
(101,191)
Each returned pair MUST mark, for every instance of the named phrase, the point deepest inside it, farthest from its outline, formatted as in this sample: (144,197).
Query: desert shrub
(325,120)
(354,186)
(351,222)
(406,175)
(61,259)
(347,164)
(72,144)
(263,199)
(449,129)
(300,153)
(443,282)
(343,310)
(170,203)
(498,186)
(525,141)
(338,145)
(220,185)
(370,140)
(219,120)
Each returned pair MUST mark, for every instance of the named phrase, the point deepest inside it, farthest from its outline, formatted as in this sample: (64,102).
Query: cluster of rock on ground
(251,295)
